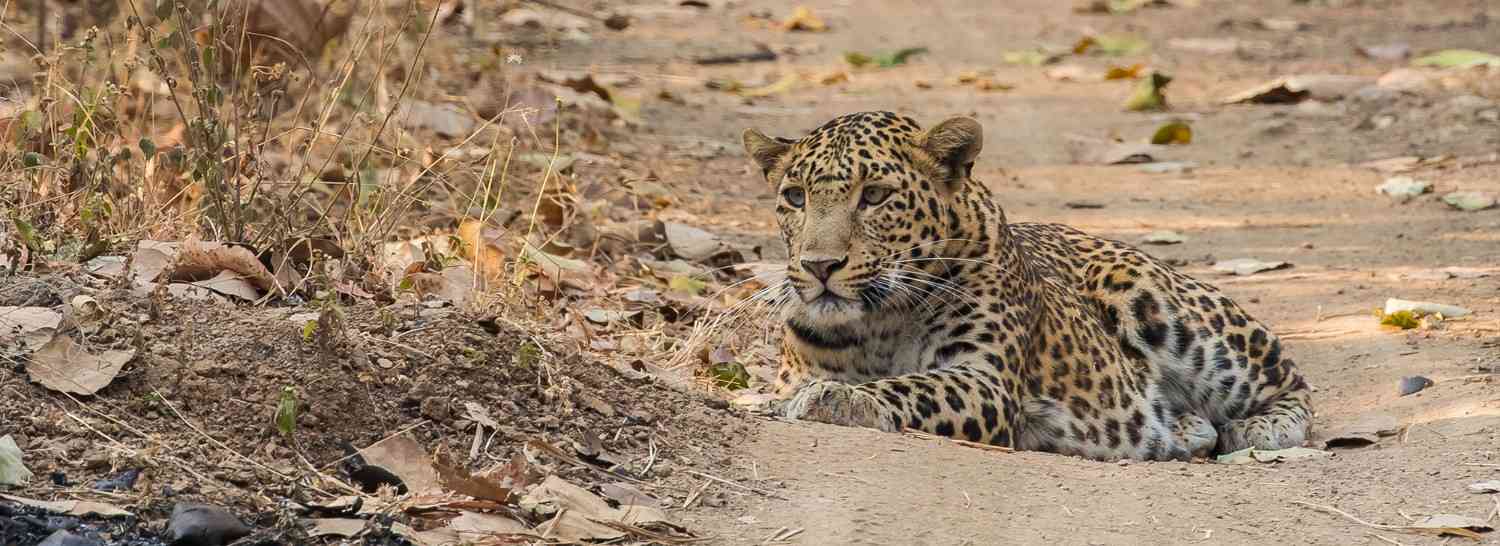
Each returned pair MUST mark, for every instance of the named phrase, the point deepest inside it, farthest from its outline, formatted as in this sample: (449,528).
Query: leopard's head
(863,201)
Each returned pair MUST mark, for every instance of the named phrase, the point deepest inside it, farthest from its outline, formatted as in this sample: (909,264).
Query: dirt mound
(196,408)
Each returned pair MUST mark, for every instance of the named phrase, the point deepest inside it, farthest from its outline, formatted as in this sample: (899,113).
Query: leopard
(910,303)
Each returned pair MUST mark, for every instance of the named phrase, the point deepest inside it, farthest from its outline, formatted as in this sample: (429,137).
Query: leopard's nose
(823,269)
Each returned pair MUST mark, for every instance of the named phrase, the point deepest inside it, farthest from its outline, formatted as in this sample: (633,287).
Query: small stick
(745,487)
(976,445)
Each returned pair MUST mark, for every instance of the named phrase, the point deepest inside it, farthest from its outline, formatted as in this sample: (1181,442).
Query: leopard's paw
(837,404)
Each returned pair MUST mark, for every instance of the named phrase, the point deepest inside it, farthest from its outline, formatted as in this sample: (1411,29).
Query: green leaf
(311,327)
(857,59)
(1030,57)
(164,8)
(31,160)
(729,375)
(687,285)
(1176,132)
(27,234)
(1404,320)
(1458,58)
(286,412)
(147,147)
(1148,95)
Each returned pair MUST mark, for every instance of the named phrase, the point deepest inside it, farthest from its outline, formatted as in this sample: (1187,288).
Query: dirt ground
(1271,182)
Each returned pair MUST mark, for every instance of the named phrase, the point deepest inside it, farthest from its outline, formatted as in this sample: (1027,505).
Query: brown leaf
(204,260)
(404,457)
(65,366)
(74,508)
(27,328)
(454,477)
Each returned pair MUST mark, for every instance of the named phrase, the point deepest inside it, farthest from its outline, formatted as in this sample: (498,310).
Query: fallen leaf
(1114,45)
(151,259)
(65,366)
(1404,320)
(1458,58)
(474,528)
(1176,132)
(787,82)
(1148,94)
(1292,89)
(456,478)
(690,242)
(1403,188)
(27,329)
(339,527)
(1252,455)
(1030,57)
(626,494)
(13,470)
(1212,46)
(581,515)
(1163,238)
(729,376)
(558,268)
(230,283)
(605,317)
(1248,266)
(1449,524)
(1393,305)
(883,60)
(1469,201)
(405,458)
(687,285)
(206,260)
(74,508)
(1492,486)
(803,19)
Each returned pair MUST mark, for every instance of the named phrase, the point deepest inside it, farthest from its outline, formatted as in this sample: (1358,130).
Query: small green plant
(286,412)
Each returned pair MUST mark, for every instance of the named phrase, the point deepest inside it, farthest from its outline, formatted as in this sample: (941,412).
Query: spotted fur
(912,304)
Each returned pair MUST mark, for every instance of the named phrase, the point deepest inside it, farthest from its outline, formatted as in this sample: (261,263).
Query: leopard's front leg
(966,402)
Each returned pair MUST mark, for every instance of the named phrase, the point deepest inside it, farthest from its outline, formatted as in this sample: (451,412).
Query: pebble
(1413,384)
(194,524)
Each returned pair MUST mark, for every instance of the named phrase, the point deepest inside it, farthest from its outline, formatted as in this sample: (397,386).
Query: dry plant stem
(976,445)
(771,494)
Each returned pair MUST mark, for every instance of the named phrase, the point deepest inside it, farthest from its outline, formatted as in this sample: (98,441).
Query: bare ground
(1272,183)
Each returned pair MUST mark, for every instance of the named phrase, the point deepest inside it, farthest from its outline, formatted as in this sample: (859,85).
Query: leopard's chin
(829,309)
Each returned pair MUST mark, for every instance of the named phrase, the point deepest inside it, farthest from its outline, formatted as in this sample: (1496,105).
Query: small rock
(195,524)
(1375,94)
(1168,167)
(436,408)
(1413,384)
(1124,462)
(1403,188)
(123,482)
(64,538)
(1164,237)
(1469,201)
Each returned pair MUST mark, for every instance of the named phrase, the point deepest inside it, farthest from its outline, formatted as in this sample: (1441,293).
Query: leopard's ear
(766,151)
(955,143)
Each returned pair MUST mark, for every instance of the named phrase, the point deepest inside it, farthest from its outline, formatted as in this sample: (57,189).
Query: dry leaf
(1293,89)
(74,508)
(203,260)
(1248,266)
(455,478)
(230,284)
(582,513)
(404,457)
(803,19)
(690,242)
(787,82)
(1393,305)
(64,366)
(13,470)
(27,329)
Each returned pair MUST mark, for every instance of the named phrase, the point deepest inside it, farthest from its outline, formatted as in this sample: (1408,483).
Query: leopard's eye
(873,195)
(795,197)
